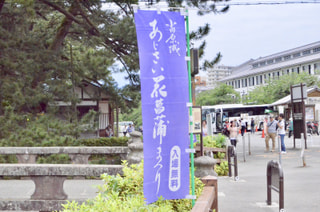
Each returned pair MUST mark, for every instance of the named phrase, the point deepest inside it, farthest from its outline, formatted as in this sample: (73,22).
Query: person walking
(271,133)
(243,126)
(234,130)
(204,128)
(252,124)
(282,132)
(124,130)
(130,129)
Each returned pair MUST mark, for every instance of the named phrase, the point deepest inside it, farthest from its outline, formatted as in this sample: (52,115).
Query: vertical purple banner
(164,95)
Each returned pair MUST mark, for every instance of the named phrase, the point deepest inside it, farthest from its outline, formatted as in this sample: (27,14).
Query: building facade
(217,73)
(253,73)
(200,81)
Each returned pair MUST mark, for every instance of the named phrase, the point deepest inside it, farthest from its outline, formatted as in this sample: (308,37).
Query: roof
(247,69)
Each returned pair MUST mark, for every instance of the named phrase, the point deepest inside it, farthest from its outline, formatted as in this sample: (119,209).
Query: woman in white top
(204,128)
(233,129)
(282,132)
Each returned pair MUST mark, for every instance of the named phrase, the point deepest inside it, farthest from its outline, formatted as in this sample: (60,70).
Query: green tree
(279,88)
(48,47)
(223,94)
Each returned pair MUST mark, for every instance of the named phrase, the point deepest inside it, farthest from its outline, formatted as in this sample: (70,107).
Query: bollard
(232,153)
(249,143)
(303,147)
(244,148)
(275,182)
(279,148)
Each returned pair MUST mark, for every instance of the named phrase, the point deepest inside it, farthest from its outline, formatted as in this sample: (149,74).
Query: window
(252,81)
(278,59)
(288,71)
(261,79)
(255,65)
(296,55)
(257,80)
(306,52)
(298,70)
(270,61)
(316,50)
(287,57)
(262,63)
(309,68)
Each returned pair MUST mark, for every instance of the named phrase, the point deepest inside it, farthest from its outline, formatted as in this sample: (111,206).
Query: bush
(46,130)
(217,141)
(222,169)
(126,194)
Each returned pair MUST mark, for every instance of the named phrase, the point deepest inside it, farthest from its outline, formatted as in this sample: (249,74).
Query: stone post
(204,166)
(135,148)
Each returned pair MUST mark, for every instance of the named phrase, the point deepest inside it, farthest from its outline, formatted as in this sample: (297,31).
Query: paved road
(301,184)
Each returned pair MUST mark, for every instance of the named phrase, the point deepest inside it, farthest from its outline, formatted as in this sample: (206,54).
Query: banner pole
(190,109)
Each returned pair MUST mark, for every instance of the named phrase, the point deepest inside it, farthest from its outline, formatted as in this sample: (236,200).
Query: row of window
(263,78)
(287,57)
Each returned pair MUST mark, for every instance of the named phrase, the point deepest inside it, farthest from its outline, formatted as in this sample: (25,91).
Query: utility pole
(194,57)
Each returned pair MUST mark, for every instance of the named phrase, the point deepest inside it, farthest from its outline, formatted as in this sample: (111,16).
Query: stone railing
(78,155)
(49,193)
(48,179)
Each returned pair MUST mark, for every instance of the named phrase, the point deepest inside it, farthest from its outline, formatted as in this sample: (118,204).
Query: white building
(217,73)
(252,73)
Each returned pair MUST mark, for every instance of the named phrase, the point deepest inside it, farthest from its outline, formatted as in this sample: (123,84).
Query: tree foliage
(48,47)
(223,94)
(279,88)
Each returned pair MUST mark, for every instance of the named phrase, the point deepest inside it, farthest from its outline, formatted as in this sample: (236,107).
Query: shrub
(222,169)
(126,194)
(217,141)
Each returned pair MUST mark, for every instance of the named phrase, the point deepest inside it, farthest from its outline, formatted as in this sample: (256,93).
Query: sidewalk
(249,193)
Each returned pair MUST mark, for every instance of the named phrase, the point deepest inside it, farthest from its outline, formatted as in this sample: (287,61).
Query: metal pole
(249,143)
(244,148)
(279,147)
(190,110)
(281,194)
(229,160)
(235,162)
(302,152)
(269,200)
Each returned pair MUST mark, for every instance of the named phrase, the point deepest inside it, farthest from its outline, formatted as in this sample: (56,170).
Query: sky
(251,31)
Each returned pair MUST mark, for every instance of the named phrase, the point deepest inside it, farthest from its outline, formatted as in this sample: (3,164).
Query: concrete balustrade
(49,193)
(78,155)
